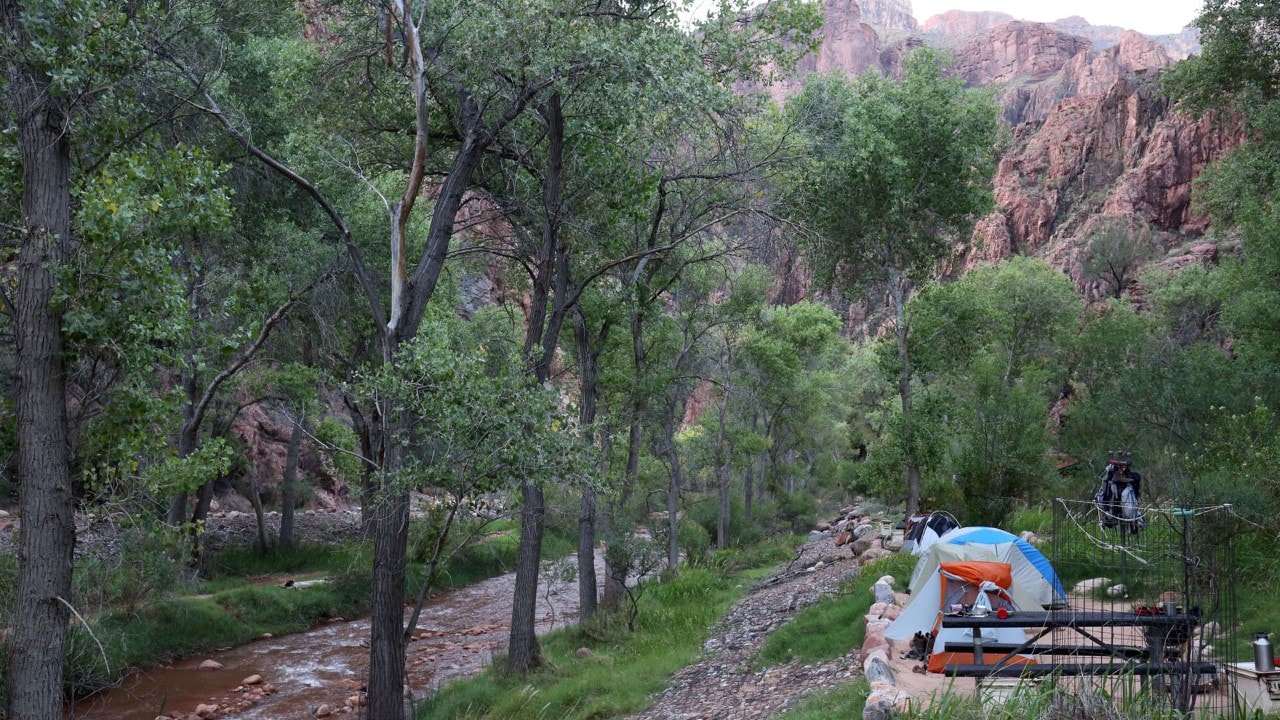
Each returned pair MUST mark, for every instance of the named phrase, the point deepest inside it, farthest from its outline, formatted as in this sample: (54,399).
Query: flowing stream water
(459,633)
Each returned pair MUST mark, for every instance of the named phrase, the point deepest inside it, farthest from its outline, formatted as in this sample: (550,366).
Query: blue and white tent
(1031,569)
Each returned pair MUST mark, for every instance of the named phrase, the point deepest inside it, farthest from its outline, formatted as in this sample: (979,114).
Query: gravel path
(723,685)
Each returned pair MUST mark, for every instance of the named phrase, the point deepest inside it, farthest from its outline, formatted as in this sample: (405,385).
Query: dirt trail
(723,684)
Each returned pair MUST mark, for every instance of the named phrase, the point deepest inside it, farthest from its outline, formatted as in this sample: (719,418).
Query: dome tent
(961,584)
(1033,575)
(924,530)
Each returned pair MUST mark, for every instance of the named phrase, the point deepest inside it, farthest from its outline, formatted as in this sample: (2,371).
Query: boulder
(862,529)
(210,665)
(877,627)
(883,704)
(882,592)
(1087,586)
(323,711)
(878,653)
(877,670)
(252,680)
(874,553)
(884,611)
(206,711)
(824,526)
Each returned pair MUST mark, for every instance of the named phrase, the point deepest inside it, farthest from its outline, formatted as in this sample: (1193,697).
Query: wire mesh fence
(1150,610)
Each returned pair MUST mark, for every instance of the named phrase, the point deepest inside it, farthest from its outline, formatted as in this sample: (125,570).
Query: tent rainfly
(953,586)
(1033,575)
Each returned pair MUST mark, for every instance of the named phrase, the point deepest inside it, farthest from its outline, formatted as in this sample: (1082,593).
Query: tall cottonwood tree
(902,169)
(69,75)
(42,112)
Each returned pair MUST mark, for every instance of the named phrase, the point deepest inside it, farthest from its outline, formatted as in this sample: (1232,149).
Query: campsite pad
(923,687)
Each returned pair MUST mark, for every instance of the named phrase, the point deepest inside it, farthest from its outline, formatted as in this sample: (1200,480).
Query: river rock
(323,711)
(252,680)
(210,665)
(861,530)
(206,711)
(1087,586)
(884,704)
(884,611)
(878,670)
(355,701)
(874,553)
(882,592)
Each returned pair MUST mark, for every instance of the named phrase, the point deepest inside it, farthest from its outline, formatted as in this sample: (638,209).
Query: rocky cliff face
(1178,46)
(1093,144)
(848,44)
(1015,51)
(889,14)
(964,22)
(1121,154)
(959,26)
(1028,96)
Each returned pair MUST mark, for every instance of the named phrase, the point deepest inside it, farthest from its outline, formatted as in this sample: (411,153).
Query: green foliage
(145,571)
(341,446)
(1115,252)
(798,511)
(694,540)
(837,703)
(900,167)
(1037,518)
(488,427)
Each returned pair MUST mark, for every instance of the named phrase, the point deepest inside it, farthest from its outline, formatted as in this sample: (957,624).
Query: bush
(694,541)
(146,570)
(799,510)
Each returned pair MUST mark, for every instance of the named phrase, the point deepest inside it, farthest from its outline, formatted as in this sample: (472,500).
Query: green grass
(835,625)
(232,567)
(1049,701)
(840,703)
(1258,584)
(1038,519)
(624,667)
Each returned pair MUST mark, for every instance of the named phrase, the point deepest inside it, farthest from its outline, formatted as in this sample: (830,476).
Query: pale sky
(1153,17)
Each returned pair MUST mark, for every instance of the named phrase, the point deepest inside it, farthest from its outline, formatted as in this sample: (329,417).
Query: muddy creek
(458,634)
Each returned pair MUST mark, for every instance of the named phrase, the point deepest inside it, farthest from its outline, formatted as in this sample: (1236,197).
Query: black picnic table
(1163,634)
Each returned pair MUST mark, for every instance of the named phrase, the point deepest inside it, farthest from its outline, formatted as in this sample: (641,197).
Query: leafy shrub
(694,541)
(145,569)
(799,511)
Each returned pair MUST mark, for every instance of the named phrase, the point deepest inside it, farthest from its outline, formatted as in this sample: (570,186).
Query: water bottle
(982,606)
(1263,659)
